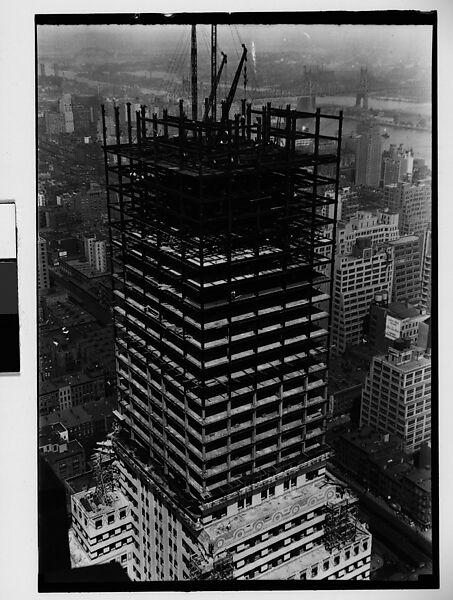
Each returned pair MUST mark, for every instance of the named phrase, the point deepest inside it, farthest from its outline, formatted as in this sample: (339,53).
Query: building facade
(380,227)
(407,270)
(396,397)
(358,277)
(390,321)
(221,350)
(368,156)
(426,268)
(43,265)
(413,204)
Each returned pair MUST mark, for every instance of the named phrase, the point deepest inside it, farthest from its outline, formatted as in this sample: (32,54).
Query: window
(110,519)
(325,565)
(122,514)
(98,524)
(314,571)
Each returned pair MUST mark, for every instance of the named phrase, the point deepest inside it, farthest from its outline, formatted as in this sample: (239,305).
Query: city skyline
(83,244)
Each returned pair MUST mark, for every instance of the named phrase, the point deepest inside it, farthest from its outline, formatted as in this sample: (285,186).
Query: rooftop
(84,268)
(371,441)
(420,476)
(70,417)
(95,507)
(403,310)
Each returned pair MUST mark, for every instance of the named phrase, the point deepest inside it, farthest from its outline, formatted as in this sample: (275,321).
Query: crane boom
(212,96)
(194,71)
(213,69)
(234,85)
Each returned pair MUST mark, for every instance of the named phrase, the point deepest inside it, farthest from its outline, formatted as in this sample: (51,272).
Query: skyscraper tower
(368,155)
(222,336)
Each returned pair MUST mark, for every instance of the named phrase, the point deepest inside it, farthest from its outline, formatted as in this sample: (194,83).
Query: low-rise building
(101,529)
(66,457)
(378,461)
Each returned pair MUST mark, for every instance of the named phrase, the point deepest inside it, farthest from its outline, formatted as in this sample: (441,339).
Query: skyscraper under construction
(222,258)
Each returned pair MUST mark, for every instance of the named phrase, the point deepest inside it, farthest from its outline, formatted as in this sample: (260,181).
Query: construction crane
(226,105)
(214,69)
(194,72)
(211,102)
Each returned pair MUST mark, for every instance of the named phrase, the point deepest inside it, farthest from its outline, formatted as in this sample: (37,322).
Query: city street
(404,551)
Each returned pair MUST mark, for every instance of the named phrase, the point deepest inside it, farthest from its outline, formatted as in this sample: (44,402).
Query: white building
(96,253)
(278,533)
(357,278)
(413,204)
(101,529)
(65,107)
(381,227)
(396,397)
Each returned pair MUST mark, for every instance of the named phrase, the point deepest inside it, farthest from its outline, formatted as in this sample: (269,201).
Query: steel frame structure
(222,262)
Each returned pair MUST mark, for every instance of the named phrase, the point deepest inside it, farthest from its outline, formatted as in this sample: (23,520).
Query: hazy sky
(397,40)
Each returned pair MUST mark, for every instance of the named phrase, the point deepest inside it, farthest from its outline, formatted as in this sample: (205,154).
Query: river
(419,141)
(416,108)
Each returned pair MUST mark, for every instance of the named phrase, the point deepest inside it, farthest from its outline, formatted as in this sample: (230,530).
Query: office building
(426,278)
(413,204)
(221,350)
(407,270)
(379,227)
(396,397)
(368,155)
(96,252)
(348,200)
(390,321)
(65,108)
(43,265)
(358,277)
(92,205)
(397,165)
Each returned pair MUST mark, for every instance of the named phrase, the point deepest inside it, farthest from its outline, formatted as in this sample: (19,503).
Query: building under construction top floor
(222,246)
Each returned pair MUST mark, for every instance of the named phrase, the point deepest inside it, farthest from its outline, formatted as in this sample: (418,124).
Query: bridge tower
(362,93)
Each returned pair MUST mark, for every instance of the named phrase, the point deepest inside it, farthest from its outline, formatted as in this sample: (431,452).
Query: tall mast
(193,64)
(214,71)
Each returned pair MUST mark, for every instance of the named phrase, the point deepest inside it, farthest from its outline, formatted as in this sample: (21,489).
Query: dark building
(221,341)
(407,270)
(378,461)
(388,322)
(65,457)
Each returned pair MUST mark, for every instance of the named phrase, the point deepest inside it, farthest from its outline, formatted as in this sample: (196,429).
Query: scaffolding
(219,568)
(340,526)
(222,238)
